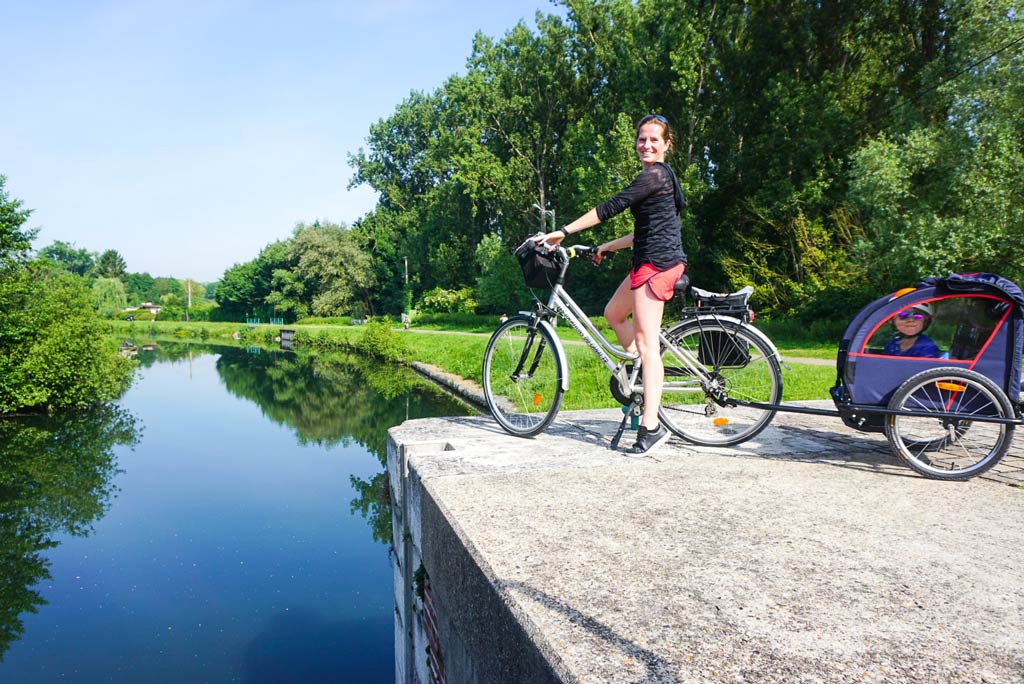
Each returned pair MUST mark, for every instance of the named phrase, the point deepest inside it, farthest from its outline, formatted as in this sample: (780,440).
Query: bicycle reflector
(951,386)
(720,422)
(536,399)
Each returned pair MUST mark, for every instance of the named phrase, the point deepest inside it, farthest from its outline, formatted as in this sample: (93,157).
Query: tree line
(114,288)
(830,151)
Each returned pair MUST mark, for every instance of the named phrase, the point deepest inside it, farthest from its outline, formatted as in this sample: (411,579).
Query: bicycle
(716,366)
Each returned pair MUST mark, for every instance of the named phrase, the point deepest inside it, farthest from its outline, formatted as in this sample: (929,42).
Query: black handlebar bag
(540,267)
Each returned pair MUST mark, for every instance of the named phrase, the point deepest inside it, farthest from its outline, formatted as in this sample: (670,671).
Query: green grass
(461,352)
(463,355)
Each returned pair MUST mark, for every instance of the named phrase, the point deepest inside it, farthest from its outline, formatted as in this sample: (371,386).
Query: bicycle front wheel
(945,447)
(742,364)
(522,377)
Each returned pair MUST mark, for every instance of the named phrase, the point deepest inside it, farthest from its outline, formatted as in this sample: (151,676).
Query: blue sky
(188,135)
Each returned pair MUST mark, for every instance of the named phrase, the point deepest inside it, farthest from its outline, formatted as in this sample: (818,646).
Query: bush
(324,320)
(55,352)
(138,315)
(381,341)
(448,301)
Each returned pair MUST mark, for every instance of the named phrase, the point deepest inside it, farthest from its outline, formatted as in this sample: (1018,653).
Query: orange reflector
(536,399)
(900,293)
(720,422)
(951,386)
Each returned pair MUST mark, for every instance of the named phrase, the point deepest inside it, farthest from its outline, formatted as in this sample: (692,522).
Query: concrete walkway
(806,555)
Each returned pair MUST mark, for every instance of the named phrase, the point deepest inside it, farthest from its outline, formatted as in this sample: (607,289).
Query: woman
(655,200)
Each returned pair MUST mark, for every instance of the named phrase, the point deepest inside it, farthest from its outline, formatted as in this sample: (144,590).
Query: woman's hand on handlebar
(552,239)
(600,254)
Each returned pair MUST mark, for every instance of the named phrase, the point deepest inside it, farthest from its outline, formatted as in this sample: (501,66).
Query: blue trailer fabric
(870,378)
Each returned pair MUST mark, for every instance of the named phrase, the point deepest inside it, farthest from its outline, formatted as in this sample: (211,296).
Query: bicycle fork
(531,337)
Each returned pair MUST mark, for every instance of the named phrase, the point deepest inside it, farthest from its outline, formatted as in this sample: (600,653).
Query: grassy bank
(460,351)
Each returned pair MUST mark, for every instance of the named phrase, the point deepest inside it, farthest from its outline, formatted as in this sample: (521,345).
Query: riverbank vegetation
(55,351)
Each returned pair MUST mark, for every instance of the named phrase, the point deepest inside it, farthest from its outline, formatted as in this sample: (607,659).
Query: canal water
(226,521)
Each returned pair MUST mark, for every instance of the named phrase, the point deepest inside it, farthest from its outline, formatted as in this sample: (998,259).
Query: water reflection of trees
(336,398)
(329,399)
(56,477)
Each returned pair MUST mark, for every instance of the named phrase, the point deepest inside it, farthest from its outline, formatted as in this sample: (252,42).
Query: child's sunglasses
(904,315)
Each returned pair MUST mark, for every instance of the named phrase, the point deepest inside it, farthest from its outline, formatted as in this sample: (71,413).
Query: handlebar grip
(580,250)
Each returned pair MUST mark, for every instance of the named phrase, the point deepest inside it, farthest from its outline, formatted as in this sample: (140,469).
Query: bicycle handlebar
(579,251)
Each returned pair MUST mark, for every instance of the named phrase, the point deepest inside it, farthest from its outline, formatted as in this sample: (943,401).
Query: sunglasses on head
(654,117)
(904,315)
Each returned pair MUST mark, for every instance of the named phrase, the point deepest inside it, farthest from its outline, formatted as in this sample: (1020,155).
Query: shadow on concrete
(657,668)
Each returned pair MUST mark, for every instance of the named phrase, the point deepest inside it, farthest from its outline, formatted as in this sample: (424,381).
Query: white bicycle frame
(562,304)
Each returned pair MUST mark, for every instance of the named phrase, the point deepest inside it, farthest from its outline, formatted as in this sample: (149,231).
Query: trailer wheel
(944,446)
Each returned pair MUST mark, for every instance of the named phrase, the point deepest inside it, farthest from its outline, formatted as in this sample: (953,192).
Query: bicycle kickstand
(634,410)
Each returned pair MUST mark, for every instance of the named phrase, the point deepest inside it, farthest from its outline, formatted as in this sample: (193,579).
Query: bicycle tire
(525,402)
(745,366)
(949,448)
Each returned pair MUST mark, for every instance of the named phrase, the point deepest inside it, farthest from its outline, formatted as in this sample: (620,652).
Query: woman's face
(651,144)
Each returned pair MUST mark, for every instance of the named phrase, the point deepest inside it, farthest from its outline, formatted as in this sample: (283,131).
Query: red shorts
(662,283)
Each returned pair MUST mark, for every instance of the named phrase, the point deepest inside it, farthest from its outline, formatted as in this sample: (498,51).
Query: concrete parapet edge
(802,556)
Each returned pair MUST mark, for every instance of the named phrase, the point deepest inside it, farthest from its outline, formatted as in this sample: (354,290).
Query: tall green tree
(141,288)
(54,353)
(236,292)
(109,296)
(15,239)
(111,264)
(76,260)
(335,270)
(818,143)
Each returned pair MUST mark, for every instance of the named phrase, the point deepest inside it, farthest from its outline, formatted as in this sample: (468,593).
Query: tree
(235,293)
(942,193)
(15,240)
(54,350)
(77,260)
(141,288)
(335,270)
(498,269)
(109,297)
(111,264)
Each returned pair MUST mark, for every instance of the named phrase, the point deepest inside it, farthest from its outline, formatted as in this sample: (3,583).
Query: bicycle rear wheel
(949,448)
(744,366)
(522,377)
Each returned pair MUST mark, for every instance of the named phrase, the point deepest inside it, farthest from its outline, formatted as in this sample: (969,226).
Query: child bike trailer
(936,367)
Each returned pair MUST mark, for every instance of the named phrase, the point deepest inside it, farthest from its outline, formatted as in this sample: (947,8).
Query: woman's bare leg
(617,312)
(647,314)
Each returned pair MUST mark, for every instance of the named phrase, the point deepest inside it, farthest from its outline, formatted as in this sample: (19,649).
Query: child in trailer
(910,339)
